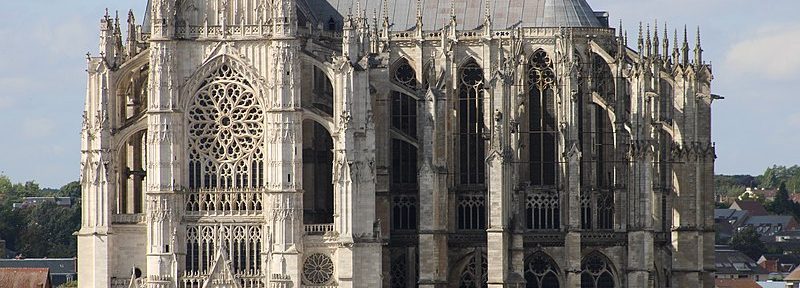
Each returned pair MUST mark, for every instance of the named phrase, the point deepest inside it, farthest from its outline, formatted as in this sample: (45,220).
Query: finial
(453,10)
(666,42)
(488,11)
(620,28)
(685,46)
(419,14)
(386,15)
(648,45)
(698,50)
(641,41)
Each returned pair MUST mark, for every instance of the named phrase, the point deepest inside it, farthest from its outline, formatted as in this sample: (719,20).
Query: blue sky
(754,47)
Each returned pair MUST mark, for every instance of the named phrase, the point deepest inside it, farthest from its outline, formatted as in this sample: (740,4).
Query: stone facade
(245,143)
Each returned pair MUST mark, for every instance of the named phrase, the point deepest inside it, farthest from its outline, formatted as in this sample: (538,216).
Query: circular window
(318,269)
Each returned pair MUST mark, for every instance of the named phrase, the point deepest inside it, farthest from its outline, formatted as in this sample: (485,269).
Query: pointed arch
(597,271)
(471,271)
(471,145)
(246,72)
(541,271)
(542,133)
(404,74)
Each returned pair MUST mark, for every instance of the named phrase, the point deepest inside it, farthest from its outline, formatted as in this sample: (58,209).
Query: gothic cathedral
(394,143)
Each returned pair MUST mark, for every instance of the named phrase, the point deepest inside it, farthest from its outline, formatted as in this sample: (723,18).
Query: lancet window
(665,102)
(403,272)
(471,155)
(599,163)
(318,198)
(663,179)
(542,132)
(597,272)
(543,202)
(243,244)
(475,274)
(471,144)
(404,179)
(226,132)
(603,80)
(541,271)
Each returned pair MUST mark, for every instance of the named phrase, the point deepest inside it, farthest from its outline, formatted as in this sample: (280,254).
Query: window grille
(471,210)
(543,210)
(242,242)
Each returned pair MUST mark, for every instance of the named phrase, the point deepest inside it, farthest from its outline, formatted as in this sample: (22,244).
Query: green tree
(747,241)
(72,189)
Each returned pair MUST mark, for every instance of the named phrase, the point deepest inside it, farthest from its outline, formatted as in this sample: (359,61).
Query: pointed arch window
(471,144)
(475,273)
(603,80)
(542,130)
(541,271)
(226,132)
(597,272)
(404,179)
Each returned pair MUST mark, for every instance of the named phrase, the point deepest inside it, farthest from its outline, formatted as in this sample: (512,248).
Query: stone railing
(318,229)
(245,280)
(600,238)
(222,203)
(216,31)
(127,219)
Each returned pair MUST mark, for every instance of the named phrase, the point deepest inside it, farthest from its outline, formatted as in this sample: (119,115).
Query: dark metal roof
(470,14)
(55,265)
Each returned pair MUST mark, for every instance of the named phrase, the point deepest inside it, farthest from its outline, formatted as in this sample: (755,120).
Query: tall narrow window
(471,202)
(543,200)
(471,145)
(404,179)
(542,120)
(603,80)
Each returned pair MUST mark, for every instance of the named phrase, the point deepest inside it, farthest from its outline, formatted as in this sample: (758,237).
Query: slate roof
(470,14)
(772,220)
(55,265)
(752,207)
(24,278)
(729,261)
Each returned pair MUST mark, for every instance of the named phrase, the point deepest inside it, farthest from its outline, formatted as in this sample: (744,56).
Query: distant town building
(31,201)
(759,193)
(769,225)
(61,270)
(734,264)
(779,264)
(753,208)
(736,283)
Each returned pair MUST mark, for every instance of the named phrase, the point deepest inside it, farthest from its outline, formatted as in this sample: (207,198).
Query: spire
(666,43)
(131,41)
(676,53)
(698,50)
(648,43)
(386,18)
(620,43)
(487,16)
(656,44)
(641,41)
(419,14)
(453,12)
(685,50)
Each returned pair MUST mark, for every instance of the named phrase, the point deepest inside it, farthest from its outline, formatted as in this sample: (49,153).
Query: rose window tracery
(318,269)
(226,128)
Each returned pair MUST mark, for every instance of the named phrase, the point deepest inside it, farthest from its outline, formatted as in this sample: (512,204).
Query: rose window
(318,269)
(226,126)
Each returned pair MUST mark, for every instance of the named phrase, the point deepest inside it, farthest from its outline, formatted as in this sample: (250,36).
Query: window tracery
(475,274)
(405,74)
(603,80)
(226,131)
(596,272)
(242,242)
(541,271)
(542,130)
(317,269)
(543,210)
(471,144)
(398,270)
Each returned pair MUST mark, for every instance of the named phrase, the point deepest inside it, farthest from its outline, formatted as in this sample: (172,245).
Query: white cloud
(771,53)
(38,127)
